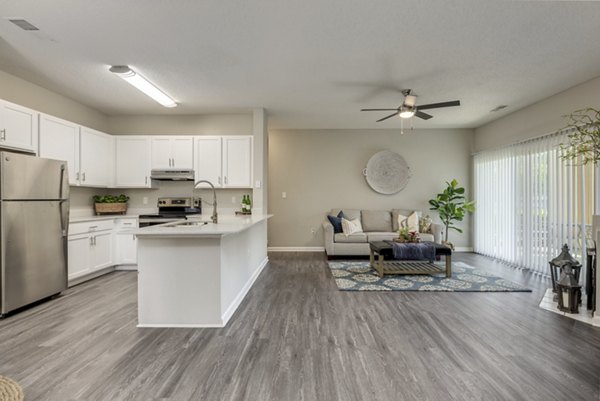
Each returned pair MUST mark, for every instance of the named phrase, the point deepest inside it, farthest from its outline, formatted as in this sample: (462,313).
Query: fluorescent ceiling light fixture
(406,112)
(143,85)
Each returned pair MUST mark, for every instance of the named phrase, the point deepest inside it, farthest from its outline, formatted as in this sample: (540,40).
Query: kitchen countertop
(80,219)
(227,224)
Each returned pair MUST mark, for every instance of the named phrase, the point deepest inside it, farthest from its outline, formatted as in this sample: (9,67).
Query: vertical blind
(529,202)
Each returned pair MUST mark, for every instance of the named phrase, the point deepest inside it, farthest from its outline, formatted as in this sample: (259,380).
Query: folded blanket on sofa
(413,251)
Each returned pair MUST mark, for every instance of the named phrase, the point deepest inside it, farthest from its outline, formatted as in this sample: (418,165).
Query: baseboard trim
(296,249)
(463,249)
(181,326)
(242,294)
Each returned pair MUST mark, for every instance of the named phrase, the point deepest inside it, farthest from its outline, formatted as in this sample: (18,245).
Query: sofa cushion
(381,236)
(376,220)
(426,237)
(352,238)
(403,212)
(336,221)
(350,214)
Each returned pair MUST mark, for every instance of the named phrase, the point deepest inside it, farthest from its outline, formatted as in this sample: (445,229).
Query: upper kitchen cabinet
(172,152)
(224,161)
(132,162)
(237,161)
(59,139)
(208,157)
(96,158)
(18,127)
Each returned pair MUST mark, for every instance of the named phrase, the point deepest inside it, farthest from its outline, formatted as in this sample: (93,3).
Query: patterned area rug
(358,276)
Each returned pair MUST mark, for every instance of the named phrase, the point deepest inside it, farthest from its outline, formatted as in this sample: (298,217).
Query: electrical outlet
(313,231)
(284,195)
(145,200)
(233,199)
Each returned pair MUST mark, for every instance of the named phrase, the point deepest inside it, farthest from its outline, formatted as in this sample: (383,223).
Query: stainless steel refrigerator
(34,221)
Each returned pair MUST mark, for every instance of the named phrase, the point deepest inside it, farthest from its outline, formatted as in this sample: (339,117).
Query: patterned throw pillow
(336,222)
(425,224)
(351,226)
(412,222)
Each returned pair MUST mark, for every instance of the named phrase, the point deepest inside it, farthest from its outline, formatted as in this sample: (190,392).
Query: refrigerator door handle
(64,217)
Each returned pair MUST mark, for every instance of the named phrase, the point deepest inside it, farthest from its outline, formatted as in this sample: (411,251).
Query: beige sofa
(378,225)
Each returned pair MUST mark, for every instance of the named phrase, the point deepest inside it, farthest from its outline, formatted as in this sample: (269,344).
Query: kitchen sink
(190,224)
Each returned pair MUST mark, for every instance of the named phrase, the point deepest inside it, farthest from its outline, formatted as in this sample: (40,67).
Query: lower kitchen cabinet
(90,248)
(97,244)
(126,243)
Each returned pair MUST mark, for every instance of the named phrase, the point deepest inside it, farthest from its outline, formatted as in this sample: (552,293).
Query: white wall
(540,118)
(26,94)
(322,169)
(202,124)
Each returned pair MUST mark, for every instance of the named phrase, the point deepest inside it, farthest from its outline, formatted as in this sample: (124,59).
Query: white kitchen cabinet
(79,255)
(59,140)
(208,156)
(90,247)
(18,127)
(172,152)
(126,243)
(132,162)
(225,161)
(237,161)
(96,158)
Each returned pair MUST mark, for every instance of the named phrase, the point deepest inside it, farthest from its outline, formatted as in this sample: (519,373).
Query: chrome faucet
(214,217)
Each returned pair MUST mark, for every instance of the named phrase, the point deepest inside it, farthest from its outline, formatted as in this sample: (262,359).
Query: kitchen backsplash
(228,200)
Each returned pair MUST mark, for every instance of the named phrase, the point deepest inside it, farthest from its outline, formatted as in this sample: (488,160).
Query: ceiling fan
(408,108)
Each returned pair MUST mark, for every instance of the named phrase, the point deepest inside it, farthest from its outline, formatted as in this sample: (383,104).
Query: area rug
(10,390)
(359,276)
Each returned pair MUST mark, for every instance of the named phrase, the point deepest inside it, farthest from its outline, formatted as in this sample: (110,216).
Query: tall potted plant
(452,207)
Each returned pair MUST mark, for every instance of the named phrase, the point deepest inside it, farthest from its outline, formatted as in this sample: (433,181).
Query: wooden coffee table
(382,260)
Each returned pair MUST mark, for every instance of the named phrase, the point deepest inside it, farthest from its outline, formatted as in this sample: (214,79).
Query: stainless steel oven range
(172,209)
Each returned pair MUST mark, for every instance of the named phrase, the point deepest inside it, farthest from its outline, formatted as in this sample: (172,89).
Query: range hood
(172,175)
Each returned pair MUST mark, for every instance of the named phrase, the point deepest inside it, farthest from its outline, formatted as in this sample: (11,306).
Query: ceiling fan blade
(439,105)
(422,115)
(378,109)
(385,118)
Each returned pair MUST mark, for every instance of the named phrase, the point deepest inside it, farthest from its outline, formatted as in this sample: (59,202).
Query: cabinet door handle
(146,180)
(77,176)
(219,180)
(3,137)
(225,180)
(92,228)
(83,176)
(91,240)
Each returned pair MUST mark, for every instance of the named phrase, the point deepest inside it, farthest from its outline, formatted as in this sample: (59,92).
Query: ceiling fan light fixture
(143,85)
(406,112)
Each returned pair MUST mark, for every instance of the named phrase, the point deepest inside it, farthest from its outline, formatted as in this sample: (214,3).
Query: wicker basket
(110,208)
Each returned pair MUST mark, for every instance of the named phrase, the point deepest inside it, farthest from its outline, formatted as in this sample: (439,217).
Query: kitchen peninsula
(195,273)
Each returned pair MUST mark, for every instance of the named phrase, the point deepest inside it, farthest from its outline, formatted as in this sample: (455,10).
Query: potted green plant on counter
(110,204)
(452,206)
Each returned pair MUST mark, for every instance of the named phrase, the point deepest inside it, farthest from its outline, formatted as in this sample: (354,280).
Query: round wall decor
(387,172)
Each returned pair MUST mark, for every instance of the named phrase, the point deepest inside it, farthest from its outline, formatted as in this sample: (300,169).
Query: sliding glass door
(530,202)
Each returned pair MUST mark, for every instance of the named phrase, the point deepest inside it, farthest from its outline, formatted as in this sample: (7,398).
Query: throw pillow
(425,224)
(412,222)
(351,226)
(336,222)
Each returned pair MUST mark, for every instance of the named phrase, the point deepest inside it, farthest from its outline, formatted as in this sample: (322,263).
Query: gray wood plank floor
(296,337)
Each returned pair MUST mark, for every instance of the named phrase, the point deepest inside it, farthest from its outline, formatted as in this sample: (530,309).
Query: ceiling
(310,63)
